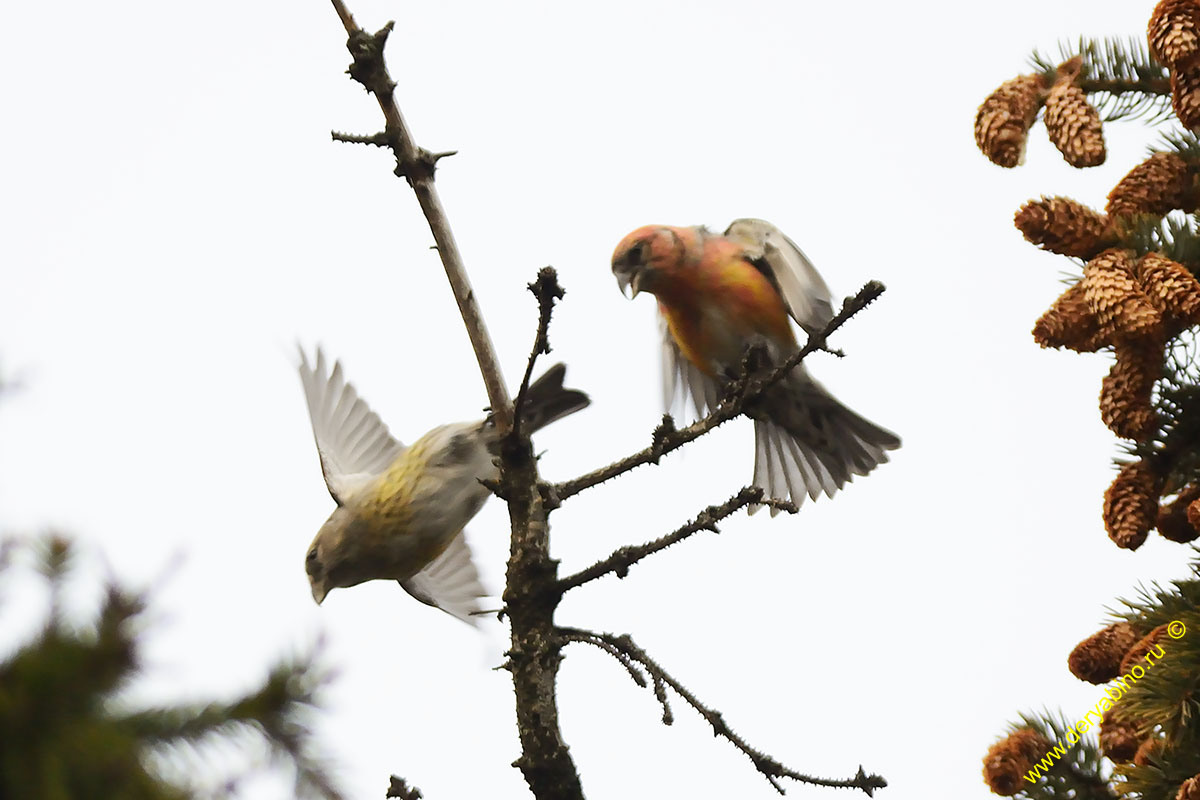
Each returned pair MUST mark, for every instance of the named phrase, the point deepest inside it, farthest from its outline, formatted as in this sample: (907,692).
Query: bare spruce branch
(417,166)
(533,660)
(399,788)
(533,656)
(767,766)
(547,290)
(532,588)
(624,557)
(376,139)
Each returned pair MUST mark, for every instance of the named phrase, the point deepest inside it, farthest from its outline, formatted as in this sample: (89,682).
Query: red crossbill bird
(717,297)
(401,510)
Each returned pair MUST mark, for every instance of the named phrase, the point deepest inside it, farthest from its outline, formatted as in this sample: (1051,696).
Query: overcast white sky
(175,218)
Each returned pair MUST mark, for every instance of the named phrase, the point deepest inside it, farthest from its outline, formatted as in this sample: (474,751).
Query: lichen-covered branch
(529,598)
(417,165)
(624,557)
(529,602)
(635,659)
(738,394)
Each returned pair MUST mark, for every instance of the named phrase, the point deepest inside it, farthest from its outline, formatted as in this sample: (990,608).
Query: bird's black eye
(310,561)
(635,253)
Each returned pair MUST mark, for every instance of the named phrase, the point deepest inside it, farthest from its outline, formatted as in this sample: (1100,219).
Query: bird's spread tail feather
(548,400)
(809,443)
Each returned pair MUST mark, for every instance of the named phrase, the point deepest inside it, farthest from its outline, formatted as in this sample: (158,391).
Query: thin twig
(624,557)
(612,650)
(740,392)
(375,139)
(547,290)
(767,766)
(417,166)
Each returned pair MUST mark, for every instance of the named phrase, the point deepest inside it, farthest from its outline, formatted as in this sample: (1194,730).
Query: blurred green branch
(64,732)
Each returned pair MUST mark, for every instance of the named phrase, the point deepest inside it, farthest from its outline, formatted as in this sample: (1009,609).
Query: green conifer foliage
(66,732)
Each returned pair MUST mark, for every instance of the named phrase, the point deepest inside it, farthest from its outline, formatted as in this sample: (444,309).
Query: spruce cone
(1118,739)
(1125,392)
(1159,184)
(1120,305)
(1072,122)
(1137,653)
(1189,789)
(1003,120)
(1069,323)
(1130,505)
(1063,226)
(1174,31)
(1173,521)
(1008,760)
(1172,289)
(1097,659)
(1185,93)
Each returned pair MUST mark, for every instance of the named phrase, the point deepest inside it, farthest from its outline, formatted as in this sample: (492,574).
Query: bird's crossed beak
(630,281)
(319,590)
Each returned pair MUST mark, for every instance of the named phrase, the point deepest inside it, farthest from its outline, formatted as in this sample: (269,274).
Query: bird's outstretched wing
(450,582)
(802,287)
(681,376)
(353,442)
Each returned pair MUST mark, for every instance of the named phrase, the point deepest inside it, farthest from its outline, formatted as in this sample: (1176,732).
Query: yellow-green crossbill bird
(401,510)
(717,296)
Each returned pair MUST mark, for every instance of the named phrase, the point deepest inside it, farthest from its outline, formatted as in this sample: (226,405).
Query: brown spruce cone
(1097,659)
(1185,93)
(1130,505)
(1069,323)
(1172,288)
(1189,789)
(1072,122)
(1125,392)
(1137,653)
(1174,31)
(1120,305)
(1003,120)
(1161,183)
(1063,226)
(1173,523)
(1193,514)
(1118,739)
(1008,760)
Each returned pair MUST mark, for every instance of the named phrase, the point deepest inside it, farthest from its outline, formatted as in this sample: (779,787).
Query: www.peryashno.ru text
(1121,684)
